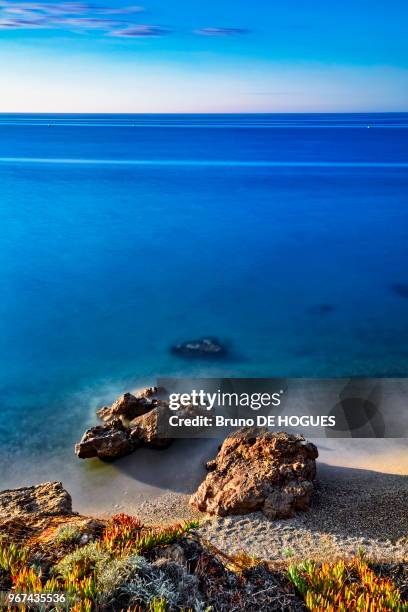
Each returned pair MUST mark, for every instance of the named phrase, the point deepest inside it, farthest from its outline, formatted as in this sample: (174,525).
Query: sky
(204,56)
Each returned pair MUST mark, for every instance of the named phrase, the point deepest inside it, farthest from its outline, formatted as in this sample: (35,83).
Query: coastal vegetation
(131,567)
(52,555)
(345,587)
(109,569)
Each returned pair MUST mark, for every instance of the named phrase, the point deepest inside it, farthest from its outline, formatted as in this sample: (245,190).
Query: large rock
(109,441)
(129,406)
(205,347)
(259,470)
(48,499)
(146,429)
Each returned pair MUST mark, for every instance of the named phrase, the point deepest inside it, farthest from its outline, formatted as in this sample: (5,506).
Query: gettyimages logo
(206,400)
(320,408)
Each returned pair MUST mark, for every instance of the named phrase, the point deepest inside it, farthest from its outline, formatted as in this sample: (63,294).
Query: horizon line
(138,113)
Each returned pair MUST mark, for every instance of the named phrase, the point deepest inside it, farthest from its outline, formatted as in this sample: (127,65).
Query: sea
(285,236)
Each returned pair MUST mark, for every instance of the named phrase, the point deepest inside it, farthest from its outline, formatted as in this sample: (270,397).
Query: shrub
(82,562)
(112,572)
(186,593)
(29,580)
(12,558)
(133,581)
(158,605)
(112,575)
(126,534)
(121,531)
(77,573)
(68,534)
(84,605)
(150,538)
(344,586)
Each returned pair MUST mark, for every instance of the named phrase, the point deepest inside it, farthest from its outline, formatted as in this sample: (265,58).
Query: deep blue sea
(286,236)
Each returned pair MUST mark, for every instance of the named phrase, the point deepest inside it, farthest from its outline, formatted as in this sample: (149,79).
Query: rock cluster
(259,470)
(131,421)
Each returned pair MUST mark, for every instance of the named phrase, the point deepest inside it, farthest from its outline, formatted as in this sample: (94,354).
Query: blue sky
(203,56)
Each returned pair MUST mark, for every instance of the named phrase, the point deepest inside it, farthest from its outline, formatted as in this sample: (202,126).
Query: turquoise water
(286,236)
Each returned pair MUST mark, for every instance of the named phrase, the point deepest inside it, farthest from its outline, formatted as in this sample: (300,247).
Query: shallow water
(285,236)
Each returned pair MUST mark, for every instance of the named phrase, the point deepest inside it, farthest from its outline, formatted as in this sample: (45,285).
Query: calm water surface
(284,235)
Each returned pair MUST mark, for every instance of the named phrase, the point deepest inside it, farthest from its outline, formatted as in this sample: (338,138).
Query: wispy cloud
(221,31)
(116,21)
(141,31)
(86,23)
(21,23)
(65,15)
(60,8)
(126,10)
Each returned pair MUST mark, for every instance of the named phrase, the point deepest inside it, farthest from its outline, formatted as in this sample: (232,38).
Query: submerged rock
(129,406)
(205,347)
(259,470)
(47,499)
(109,441)
(322,309)
(400,289)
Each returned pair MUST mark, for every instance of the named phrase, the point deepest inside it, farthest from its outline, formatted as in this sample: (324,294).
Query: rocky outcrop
(205,347)
(38,516)
(131,421)
(259,470)
(48,499)
(109,441)
(129,406)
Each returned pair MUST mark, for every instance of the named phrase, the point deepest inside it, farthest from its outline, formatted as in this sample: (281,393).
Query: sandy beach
(353,508)
(359,502)
(152,476)
(352,511)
